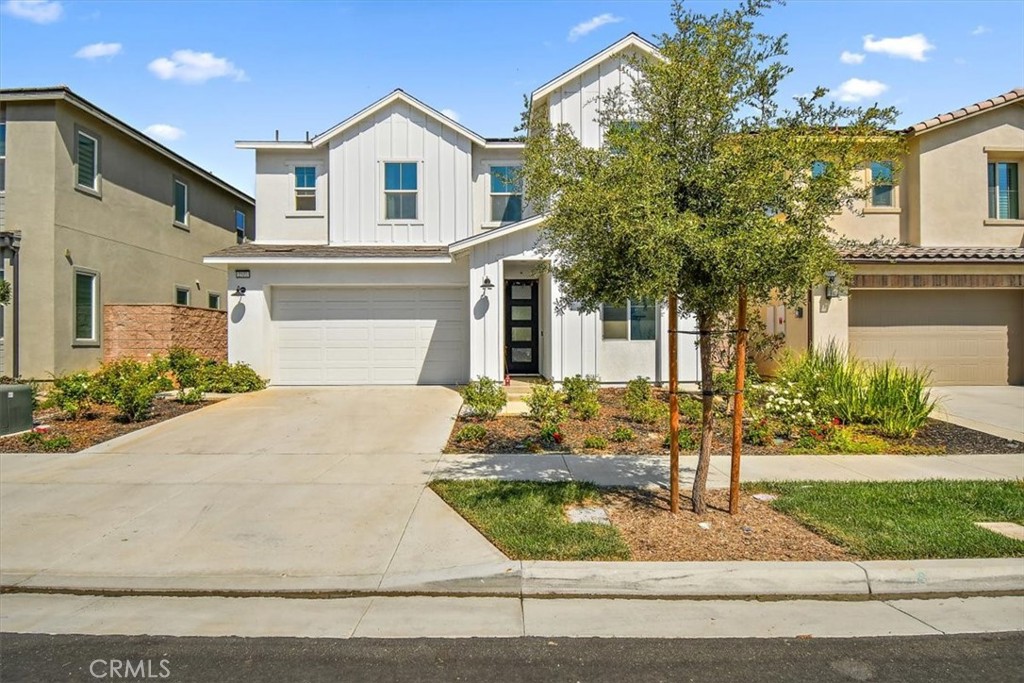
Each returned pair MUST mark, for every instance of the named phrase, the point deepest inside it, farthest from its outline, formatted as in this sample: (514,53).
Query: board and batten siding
(576,102)
(400,133)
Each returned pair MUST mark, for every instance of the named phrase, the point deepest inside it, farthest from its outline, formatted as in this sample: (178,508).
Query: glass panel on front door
(521,328)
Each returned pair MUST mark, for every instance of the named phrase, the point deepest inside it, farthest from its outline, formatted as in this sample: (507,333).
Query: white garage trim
(369,335)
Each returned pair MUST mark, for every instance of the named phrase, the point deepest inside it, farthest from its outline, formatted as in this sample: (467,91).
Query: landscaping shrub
(690,409)
(547,405)
(687,441)
(551,435)
(484,397)
(638,391)
(622,434)
(131,386)
(471,433)
(581,395)
(896,401)
(229,378)
(596,442)
(759,432)
(190,396)
(70,394)
(786,404)
(50,444)
(648,412)
(185,364)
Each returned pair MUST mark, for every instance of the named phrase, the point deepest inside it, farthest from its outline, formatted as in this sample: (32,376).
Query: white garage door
(966,337)
(383,335)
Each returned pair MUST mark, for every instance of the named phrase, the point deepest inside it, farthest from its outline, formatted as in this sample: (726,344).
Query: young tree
(704,186)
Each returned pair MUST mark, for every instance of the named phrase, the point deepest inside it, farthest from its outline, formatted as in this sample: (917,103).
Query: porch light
(487,284)
(831,288)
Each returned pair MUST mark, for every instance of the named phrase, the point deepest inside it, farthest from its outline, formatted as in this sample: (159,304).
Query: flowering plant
(786,403)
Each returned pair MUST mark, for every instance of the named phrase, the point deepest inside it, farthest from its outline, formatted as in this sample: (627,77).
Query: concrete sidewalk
(645,471)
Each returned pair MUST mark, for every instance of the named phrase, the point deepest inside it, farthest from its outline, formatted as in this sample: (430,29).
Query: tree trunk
(737,411)
(673,402)
(700,479)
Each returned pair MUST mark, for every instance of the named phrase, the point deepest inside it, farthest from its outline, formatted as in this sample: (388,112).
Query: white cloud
(188,66)
(980,29)
(97,50)
(451,113)
(857,89)
(584,27)
(39,11)
(909,47)
(851,57)
(164,131)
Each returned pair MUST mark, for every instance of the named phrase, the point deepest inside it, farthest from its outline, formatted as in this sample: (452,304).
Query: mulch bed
(758,532)
(99,425)
(509,434)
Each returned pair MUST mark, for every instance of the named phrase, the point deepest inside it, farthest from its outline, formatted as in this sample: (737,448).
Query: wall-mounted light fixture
(799,312)
(239,290)
(831,285)
(487,285)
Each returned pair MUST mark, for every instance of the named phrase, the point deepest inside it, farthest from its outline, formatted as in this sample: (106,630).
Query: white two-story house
(394,249)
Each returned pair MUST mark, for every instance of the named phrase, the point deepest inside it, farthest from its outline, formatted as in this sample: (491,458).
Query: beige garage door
(965,336)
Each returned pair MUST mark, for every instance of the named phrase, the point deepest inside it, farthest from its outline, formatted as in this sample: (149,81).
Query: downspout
(10,242)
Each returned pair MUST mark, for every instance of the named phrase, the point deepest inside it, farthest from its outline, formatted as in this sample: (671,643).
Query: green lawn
(526,519)
(906,520)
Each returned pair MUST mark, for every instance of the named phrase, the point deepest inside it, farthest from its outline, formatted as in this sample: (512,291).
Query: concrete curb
(535,579)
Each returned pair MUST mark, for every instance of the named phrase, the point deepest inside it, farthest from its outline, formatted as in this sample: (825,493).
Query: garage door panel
(343,335)
(964,337)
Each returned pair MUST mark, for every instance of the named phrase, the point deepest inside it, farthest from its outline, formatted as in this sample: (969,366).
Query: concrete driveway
(287,489)
(995,410)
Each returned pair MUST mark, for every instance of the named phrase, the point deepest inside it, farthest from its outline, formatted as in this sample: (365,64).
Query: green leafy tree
(704,185)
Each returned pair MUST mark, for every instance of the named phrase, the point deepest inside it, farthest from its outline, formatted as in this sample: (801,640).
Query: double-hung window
(86,294)
(3,152)
(305,188)
(180,203)
(636,321)
(401,187)
(88,158)
(1003,190)
(506,194)
(882,188)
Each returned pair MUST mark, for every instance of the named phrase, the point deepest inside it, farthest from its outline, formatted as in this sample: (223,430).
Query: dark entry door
(521,328)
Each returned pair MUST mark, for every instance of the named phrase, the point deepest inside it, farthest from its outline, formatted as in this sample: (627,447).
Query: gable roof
(65,94)
(481,238)
(1017,94)
(632,40)
(397,95)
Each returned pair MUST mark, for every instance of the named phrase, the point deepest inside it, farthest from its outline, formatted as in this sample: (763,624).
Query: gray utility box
(15,408)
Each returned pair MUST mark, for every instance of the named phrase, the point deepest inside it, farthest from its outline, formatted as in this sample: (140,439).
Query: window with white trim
(1003,190)
(213,300)
(636,321)
(180,202)
(3,152)
(182,296)
(506,194)
(401,190)
(88,160)
(883,190)
(86,294)
(305,188)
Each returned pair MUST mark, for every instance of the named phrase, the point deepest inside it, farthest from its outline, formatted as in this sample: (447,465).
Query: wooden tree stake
(673,401)
(737,409)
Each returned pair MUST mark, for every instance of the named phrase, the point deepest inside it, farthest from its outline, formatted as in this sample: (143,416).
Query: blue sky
(204,74)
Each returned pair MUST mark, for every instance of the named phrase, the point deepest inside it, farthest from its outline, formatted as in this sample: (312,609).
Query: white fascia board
(505,145)
(397,96)
(470,242)
(632,40)
(272,144)
(287,261)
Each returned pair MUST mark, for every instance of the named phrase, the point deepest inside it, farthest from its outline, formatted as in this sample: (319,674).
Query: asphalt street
(927,659)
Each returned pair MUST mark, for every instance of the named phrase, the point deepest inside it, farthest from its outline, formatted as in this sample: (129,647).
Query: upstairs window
(88,160)
(506,194)
(180,203)
(1003,190)
(240,223)
(881,184)
(305,188)
(400,190)
(819,168)
(3,154)
(636,321)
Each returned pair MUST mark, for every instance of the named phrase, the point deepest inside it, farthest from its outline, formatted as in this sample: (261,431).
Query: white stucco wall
(277,221)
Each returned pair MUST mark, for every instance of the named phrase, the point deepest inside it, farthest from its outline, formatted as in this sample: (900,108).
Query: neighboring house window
(881,184)
(180,203)
(1,306)
(182,295)
(214,301)
(619,129)
(636,321)
(1003,190)
(86,291)
(305,188)
(818,168)
(88,161)
(506,194)
(3,155)
(240,222)
(400,190)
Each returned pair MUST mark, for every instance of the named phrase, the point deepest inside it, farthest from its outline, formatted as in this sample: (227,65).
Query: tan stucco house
(944,287)
(95,213)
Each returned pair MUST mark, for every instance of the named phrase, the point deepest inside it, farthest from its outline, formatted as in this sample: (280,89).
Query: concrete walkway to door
(283,490)
(994,410)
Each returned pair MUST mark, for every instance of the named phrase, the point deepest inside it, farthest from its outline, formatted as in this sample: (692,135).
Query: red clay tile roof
(998,100)
(250,249)
(874,254)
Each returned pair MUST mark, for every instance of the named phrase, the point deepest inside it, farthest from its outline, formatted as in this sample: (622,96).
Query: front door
(521,328)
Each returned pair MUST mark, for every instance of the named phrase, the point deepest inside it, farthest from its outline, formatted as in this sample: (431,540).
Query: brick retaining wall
(142,330)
